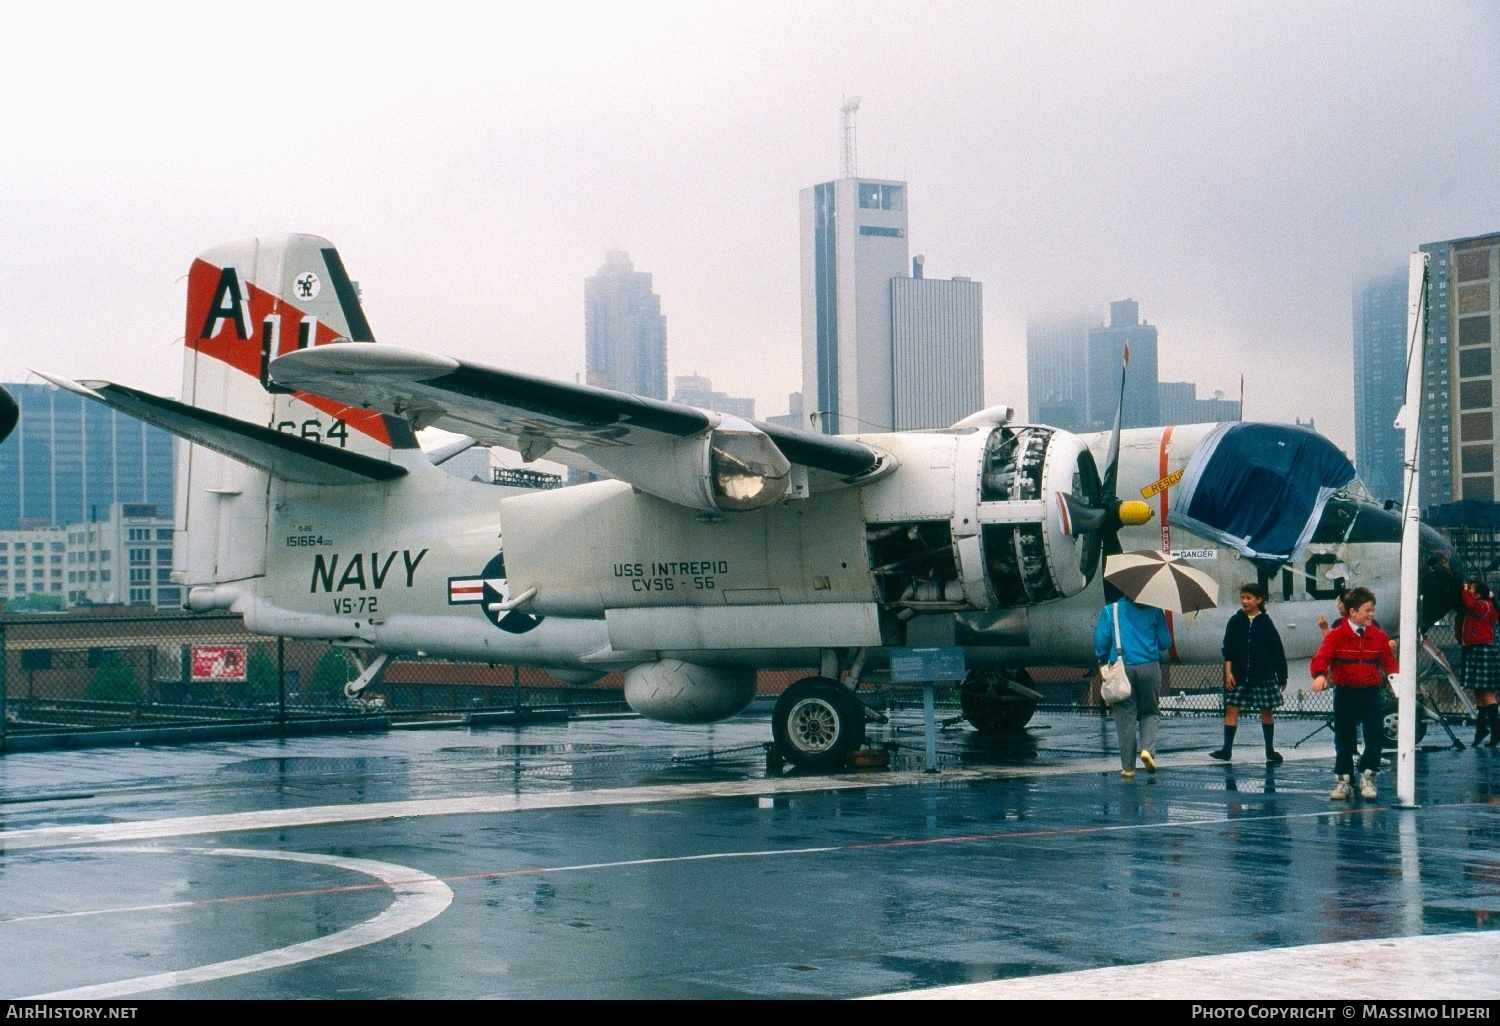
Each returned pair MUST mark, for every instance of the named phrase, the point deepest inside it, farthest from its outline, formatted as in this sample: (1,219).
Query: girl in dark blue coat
(1254,670)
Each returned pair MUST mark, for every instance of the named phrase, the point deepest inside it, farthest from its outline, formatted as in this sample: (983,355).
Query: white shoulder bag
(1116,683)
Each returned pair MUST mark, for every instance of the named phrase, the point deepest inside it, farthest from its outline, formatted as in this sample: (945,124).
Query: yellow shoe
(1128,774)
(1149,760)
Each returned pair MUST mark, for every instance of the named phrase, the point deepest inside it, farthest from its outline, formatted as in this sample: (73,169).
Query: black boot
(1272,755)
(1494,724)
(1224,754)
(1481,724)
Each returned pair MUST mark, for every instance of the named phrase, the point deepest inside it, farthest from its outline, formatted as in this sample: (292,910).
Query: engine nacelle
(732,467)
(1030,552)
(677,692)
(1004,539)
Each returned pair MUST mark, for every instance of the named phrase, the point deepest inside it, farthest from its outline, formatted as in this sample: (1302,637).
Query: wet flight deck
(622,858)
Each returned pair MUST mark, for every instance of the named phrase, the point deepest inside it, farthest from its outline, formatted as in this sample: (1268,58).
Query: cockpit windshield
(1346,519)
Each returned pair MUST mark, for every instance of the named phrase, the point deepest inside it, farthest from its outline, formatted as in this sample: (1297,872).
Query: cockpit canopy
(1259,488)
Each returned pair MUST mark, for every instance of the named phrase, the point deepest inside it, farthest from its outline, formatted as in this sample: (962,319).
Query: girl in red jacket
(1356,656)
(1480,669)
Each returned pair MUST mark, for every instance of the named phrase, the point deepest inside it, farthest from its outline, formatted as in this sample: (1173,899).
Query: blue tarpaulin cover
(1259,488)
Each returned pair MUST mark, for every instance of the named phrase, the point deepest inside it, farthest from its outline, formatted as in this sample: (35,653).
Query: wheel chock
(870,758)
(775,761)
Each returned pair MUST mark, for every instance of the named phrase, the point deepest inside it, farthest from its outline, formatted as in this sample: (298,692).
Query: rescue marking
(420,898)
(1163,484)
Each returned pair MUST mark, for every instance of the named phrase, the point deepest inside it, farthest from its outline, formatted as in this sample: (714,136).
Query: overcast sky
(1236,169)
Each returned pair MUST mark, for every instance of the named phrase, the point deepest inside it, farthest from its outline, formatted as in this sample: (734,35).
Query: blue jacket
(1143,634)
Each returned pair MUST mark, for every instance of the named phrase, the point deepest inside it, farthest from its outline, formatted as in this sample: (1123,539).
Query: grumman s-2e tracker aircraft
(718,546)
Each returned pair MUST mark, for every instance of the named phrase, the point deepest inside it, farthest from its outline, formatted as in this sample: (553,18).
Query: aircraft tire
(991,708)
(1392,724)
(816,724)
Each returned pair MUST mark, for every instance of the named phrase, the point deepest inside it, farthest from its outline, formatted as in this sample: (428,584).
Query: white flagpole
(1411,515)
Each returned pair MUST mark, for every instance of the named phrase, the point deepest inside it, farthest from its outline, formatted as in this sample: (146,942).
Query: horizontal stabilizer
(279,454)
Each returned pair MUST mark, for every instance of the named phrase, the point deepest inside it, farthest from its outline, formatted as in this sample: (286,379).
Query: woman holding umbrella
(1143,639)
(1148,583)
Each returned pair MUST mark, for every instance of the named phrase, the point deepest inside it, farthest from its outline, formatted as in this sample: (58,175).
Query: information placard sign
(915,665)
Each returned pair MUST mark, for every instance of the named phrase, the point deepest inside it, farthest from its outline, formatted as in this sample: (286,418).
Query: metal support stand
(1327,725)
(281,680)
(1410,419)
(929,726)
(2,689)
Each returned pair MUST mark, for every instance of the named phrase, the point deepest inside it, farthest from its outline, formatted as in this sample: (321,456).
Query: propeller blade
(9,414)
(1112,466)
(1081,518)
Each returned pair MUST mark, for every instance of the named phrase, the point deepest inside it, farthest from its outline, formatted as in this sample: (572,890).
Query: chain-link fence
(73,672)
(1199,690)
(69,673)
(1186,690)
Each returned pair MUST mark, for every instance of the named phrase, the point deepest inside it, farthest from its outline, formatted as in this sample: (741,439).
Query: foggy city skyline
(1239,171)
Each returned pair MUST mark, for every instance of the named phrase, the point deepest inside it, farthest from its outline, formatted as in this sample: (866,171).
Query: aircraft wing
(596,430)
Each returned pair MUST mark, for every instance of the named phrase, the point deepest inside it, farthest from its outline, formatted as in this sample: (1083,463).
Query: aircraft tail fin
(249,302)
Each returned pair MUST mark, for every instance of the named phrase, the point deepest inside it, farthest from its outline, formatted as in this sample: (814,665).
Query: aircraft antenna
(851,151)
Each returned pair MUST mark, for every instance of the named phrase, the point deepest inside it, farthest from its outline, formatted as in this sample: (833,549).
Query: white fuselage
(624,578)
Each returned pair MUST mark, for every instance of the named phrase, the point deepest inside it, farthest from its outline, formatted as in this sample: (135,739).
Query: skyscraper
(1462,308)
(693,390)
(1106,351)
(937,351)
(1178,403)
(1057,370)
(1380,381)
(70,459)
(872,336)
(624,330)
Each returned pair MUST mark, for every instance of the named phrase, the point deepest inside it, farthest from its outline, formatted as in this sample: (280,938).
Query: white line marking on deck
(420,898)
(1448,967)
(324,815)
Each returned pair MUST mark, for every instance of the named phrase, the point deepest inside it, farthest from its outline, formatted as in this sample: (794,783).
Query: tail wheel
(817,722)
(991,707)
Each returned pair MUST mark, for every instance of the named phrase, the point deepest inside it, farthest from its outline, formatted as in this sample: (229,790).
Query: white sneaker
(1341,790)
(1367,785)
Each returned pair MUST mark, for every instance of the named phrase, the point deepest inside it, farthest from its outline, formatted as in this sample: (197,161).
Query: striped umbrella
(1166,582)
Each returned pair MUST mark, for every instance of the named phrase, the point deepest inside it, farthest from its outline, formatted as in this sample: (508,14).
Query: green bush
(329,677)
(260,676)
(114,681)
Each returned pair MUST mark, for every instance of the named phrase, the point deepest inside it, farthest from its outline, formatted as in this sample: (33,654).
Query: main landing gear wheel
(1392,724)
(991,707)
(817,722)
